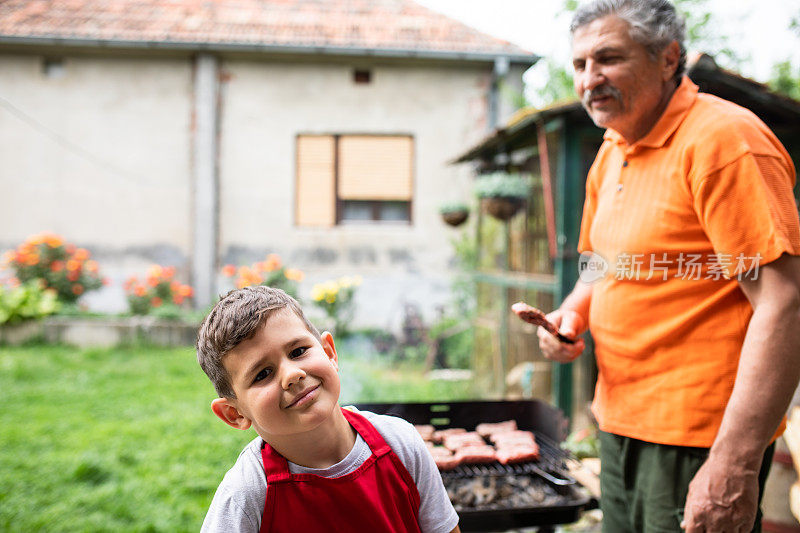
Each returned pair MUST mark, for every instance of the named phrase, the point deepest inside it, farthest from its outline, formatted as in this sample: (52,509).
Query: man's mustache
(600,92)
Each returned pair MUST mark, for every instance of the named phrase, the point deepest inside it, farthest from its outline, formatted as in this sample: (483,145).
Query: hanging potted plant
(454,213)
(502,194)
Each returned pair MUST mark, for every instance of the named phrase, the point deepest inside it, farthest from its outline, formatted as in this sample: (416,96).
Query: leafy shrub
(27,301)
(336,299)
(61,266)
(157,290)
(271,272)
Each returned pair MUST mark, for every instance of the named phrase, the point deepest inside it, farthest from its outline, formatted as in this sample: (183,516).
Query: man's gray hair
(653,24)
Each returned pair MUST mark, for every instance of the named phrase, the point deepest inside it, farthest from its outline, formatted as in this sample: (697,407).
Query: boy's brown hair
(236,318)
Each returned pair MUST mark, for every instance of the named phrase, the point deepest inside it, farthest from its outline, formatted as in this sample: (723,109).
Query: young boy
(314,466)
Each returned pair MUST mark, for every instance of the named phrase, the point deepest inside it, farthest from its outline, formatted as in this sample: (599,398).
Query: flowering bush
(61,266)
(269,272)
(335,298)
(156,290)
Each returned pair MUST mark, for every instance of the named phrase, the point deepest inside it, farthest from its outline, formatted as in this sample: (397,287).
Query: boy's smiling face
(285,379)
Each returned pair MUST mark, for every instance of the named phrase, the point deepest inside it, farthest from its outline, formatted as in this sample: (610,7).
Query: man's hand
(569,324)
(723,496)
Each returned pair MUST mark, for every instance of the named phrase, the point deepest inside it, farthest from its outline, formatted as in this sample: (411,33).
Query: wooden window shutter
(375,167)
(316,198)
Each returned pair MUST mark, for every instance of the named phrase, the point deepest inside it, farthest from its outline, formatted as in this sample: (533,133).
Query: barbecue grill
(495,497)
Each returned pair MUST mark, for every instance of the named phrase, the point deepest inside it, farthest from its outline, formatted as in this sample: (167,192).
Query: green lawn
(124,440)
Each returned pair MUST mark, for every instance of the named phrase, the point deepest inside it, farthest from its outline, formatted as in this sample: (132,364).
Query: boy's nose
(292,373)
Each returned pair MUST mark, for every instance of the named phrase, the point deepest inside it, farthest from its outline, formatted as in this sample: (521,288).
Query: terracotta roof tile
(362,24)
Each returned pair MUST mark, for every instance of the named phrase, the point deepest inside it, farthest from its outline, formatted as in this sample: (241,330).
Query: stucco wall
(265,106)
(101,157)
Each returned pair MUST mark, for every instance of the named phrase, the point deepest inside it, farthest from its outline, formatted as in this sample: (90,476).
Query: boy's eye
(297,352)
(264,374)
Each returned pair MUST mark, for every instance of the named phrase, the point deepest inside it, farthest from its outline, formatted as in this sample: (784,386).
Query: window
(344,179)
(362,77)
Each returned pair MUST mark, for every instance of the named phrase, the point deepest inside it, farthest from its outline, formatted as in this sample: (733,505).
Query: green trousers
(643,485)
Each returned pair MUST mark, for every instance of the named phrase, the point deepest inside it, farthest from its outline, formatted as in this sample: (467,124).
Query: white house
(202,133)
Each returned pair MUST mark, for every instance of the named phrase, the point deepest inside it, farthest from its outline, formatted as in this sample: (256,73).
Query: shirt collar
(679,104)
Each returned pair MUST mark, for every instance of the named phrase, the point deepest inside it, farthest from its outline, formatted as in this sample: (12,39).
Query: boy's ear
(227,411)
(330,348)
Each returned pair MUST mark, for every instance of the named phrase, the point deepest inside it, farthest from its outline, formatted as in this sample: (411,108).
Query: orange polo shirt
(705,196)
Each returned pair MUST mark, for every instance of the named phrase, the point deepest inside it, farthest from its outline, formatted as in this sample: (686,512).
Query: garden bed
(101,331)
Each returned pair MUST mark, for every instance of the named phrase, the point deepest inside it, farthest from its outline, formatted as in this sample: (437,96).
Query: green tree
(785,79)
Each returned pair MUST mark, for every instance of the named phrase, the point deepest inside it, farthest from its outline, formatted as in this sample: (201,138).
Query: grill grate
(556,496)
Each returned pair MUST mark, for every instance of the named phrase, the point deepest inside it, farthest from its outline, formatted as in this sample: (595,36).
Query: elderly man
(697,323)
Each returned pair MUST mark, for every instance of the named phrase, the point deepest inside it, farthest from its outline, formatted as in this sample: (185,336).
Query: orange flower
(156,301)
(139,290)
(74,275)
(32,259)
(91,266)
(293,274)
(73,265)
(77,289)
(186,291)
(70,249)
(229,271)
(177,299)
(153,281)
(169,272)
(155,271)
(52,240)
(273,262)
(57,266)
(81,254)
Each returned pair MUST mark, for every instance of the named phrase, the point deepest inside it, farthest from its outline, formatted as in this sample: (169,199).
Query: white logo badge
(591,267)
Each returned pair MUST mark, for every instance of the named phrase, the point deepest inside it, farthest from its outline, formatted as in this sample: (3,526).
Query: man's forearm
(769,368)
(579,300)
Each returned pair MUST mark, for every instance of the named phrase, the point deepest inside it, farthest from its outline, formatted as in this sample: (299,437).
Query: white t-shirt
(239,501)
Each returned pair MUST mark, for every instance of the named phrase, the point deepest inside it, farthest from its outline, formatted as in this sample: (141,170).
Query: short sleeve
(239,501)
(748,211)
(589,210)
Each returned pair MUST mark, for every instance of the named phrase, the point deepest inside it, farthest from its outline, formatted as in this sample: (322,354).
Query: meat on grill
(444,458)
(439,435)
(469,447)
(461,440)
(487,429)
(517,454)
(425,431)
(536,317)
(476,454)
(516,435)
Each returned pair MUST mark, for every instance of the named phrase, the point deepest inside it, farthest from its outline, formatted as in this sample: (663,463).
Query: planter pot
(502,208)
(455,218)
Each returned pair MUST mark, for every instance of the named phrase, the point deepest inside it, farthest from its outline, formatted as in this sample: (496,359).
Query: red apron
(379,496)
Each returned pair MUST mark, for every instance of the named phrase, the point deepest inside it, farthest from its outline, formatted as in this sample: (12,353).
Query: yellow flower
(317,293)
(331,298)
(153,272)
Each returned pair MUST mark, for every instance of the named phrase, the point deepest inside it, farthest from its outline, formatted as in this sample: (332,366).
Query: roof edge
(193,46)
